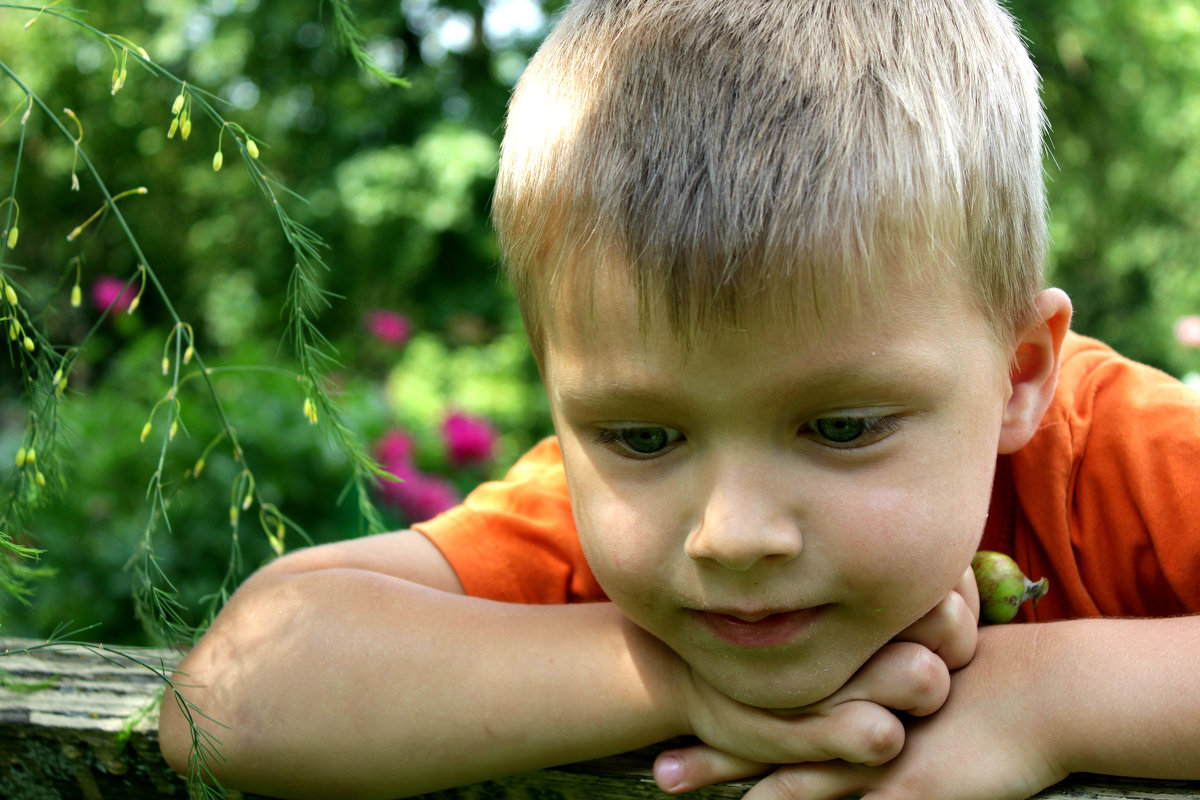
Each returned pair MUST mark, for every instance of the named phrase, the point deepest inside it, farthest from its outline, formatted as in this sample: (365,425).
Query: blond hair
(735,153)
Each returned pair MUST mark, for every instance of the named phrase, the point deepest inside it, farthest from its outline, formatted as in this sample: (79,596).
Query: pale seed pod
(166,365)
(218,161)
(10,294)
(174,127)
(177,106)
(31,456)
(185,128)
(76,296)
(21,456)
(39,479)
(145,431)
(12,237)
(29,345)
(252,148)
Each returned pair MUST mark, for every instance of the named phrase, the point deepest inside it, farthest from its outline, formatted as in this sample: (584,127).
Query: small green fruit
(1003,587)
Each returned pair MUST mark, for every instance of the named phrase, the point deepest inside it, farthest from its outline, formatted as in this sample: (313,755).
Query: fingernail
(668,773)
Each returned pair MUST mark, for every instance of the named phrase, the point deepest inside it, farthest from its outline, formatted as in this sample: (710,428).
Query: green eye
(638,442)
(842,430)
(645,440)
(851,432)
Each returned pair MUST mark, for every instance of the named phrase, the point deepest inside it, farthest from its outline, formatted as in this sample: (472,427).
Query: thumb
(686,768)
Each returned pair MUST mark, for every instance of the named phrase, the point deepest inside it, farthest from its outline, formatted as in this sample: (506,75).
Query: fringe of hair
(736,155)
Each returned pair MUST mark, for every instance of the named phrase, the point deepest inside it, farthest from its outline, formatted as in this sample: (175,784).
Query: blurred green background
(435,374)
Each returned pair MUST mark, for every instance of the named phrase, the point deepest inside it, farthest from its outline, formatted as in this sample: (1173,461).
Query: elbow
(174,733)
(209,721)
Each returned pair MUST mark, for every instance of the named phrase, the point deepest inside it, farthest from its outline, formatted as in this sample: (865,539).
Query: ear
(1034,373)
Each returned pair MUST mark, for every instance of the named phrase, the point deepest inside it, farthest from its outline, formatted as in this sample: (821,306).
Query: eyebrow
(583,392)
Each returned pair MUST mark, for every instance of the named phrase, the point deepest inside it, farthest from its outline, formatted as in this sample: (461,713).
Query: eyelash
(874,429)
(612,439)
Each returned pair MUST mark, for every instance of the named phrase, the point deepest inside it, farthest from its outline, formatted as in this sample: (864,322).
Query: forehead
(599,292)
(603,340)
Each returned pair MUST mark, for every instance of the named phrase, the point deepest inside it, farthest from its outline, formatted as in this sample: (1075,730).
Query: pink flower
(387,326)
(418,496)
(469,440)
(1187,331)
(108,291)
(394,448)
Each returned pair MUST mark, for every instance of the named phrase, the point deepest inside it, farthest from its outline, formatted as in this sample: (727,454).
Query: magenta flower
(387,326)
(1187,331)
(394,448)
(469,440)
(109,291)
(417,495)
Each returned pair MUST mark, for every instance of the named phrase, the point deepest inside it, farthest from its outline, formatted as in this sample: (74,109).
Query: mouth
(759,629)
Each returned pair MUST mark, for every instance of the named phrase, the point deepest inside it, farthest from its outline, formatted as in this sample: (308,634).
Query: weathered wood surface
(80,723)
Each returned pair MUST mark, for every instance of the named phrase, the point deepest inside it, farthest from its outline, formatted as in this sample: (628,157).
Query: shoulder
(514,539)
(1095,379)
(1109,486)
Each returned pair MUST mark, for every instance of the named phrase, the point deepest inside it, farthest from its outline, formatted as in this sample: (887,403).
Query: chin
(780,692)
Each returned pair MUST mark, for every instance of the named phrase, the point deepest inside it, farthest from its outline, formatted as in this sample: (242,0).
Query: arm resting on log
(82,722)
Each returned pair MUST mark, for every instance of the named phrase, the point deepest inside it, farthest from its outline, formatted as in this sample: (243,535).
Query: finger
(904,676)
(968,588)
(857,731)
(950,629)
(686,768)
(827,781)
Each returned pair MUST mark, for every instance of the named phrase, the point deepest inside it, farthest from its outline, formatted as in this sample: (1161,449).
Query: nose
(745,516)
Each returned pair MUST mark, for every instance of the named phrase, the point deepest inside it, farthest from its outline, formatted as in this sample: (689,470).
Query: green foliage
(1122,91)
(395,185)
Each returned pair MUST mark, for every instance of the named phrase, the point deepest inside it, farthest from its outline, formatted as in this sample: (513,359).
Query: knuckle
(927,672)
(790,783)
(928,683)
(881,740)
(867,734)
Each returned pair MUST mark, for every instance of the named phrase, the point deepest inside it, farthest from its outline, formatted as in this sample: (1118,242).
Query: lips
(762,629)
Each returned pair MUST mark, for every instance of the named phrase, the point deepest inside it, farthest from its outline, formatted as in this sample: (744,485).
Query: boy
(779,261)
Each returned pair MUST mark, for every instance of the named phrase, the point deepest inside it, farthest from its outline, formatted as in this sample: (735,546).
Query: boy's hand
(951,629)
(856,724)
(984,744)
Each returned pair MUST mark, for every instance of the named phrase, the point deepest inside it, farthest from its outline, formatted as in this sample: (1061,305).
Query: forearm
(352,683)
(1122,697)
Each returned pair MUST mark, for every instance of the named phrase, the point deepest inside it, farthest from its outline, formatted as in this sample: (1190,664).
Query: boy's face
(781,500)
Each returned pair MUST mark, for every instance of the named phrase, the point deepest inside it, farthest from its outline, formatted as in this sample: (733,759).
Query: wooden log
(81,722)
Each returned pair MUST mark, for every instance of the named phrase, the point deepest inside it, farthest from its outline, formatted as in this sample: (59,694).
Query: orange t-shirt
(1104,501)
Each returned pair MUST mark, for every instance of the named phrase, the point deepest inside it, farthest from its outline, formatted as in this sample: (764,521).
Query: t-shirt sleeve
(514,540)
(1110,491)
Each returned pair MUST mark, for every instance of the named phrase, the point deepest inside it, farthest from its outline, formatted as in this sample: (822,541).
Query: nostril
(740,548)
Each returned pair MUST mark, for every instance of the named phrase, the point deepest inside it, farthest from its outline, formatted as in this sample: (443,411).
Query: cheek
(905,548)
(627,543)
